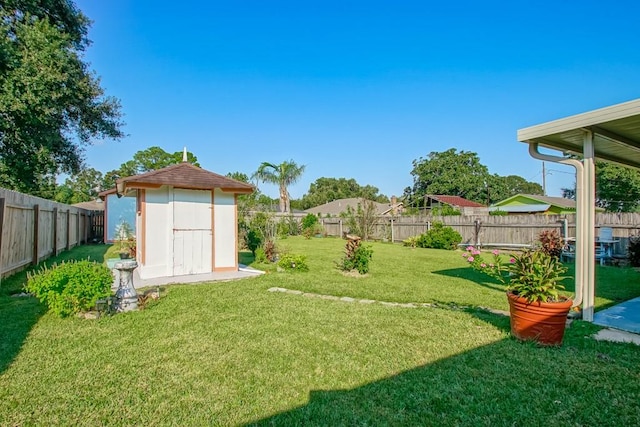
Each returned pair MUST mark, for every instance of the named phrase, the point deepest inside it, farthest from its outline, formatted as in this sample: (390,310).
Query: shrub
(445,210)
(260,256)
(71,287)
(356,257)
(551,243)
(252,240)
(270,250)
(439,237)
(293,262)
(309,221)
(412,242)
(498,212)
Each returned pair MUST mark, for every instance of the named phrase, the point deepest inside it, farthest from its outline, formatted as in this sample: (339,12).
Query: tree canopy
(51,103)
(325,190)
(460,173)
(617,188)
(152,158)
(282,175)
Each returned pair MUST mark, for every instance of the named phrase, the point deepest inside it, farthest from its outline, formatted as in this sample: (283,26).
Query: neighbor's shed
(186,220)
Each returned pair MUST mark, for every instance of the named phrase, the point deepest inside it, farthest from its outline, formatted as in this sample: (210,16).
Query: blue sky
(356,89)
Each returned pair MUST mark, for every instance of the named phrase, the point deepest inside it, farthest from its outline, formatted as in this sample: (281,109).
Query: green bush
(293,262)
(261,257)
(439,237)
(71,287)
(252,240)
(359,260)
(309,221)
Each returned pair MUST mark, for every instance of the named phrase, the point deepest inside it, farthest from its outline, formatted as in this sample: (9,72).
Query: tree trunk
(284,199)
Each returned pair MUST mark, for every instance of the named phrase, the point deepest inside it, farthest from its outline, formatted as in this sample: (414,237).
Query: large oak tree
(51,103)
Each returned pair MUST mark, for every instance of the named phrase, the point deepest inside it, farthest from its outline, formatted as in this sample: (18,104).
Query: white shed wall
(158,245)
(225,235)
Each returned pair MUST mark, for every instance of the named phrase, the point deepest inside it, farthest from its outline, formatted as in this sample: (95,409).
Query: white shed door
(192,232)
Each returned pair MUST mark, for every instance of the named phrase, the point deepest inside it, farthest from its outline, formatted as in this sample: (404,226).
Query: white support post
(589,225)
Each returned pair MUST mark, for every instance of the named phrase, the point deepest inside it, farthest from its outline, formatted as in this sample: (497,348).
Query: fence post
(476,227)
(428,225)
(36,220)
(55,231)
(68,246)
(392,233)
(341,232)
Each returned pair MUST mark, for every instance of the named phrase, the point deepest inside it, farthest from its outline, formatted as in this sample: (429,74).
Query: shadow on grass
(472,276)
(503,383)
(19,314)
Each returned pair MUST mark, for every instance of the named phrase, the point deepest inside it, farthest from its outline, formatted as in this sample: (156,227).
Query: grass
(231,353)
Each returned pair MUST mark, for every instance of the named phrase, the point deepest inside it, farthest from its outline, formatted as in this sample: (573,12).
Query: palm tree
(283,175)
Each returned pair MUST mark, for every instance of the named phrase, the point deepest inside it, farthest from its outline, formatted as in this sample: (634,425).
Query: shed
(186,220)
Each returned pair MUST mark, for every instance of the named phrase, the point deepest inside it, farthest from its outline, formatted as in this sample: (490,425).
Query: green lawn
(231,353)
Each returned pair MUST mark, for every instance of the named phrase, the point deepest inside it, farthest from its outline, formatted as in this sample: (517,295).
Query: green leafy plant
(438,237)
(551,243)
(293,262)
(533,274)
(411,242)
(445,210)
(309,221)
(252,240)
(70,287)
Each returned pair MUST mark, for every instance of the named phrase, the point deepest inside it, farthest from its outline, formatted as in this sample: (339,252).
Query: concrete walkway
(243,272)
(624,316)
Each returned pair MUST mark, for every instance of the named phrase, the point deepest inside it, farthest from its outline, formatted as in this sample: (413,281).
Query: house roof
(336,207)
(456,201)
(181,175)
(521,208)
(542,200)
(93,205)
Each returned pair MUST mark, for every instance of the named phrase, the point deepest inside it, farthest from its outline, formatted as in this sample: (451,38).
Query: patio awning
(611,134)
(615,129)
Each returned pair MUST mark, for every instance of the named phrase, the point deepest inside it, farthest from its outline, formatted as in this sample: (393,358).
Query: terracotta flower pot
(543,322)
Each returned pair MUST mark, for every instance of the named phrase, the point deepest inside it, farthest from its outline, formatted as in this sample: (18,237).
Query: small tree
(362,220)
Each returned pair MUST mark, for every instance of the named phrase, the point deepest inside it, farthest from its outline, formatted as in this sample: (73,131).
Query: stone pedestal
(126,295)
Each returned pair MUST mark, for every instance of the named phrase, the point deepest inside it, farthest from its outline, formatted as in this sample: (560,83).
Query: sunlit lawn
(232,353)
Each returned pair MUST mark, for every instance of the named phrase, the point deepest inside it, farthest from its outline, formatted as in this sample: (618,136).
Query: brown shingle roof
(184,175)
(455,201)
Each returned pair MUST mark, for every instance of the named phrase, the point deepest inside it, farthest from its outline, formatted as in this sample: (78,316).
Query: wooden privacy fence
(495,230)
(33,229)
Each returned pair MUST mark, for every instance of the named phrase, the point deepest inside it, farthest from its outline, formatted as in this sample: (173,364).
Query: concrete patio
(624,316)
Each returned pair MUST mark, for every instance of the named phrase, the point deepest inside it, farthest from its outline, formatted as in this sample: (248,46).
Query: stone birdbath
(126,295)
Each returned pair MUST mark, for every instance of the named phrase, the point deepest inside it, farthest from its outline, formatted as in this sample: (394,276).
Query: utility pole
(544,181)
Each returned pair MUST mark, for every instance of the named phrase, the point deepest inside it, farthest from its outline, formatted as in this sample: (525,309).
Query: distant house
(185,219)
(466,207)
(536,204)
(337,207)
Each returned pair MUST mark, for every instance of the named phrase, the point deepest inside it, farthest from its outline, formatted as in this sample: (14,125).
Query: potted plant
(533,278)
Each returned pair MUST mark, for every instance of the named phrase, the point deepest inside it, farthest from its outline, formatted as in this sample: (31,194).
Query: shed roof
(455,201)
(182,175)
